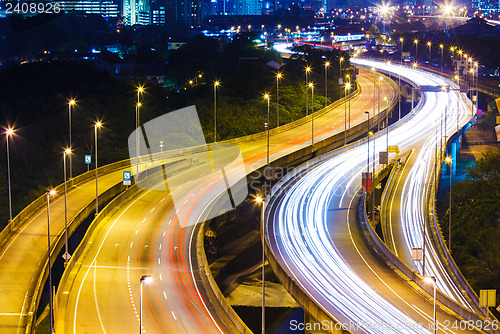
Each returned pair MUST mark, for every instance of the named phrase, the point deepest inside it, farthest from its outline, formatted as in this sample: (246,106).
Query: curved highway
(312,232)
(144,236)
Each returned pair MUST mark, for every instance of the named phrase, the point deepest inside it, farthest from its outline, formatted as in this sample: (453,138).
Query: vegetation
(34,99)
(476,223)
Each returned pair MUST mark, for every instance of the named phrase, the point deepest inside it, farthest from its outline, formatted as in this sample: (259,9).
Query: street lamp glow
(140,89)
(51,192)
(67,151)
(327,63)
(428,43)
(139,104)
(9,132)
(258,199)
(415,41)
(266,96)
(348,85)
(279,75)
(448,159)
(311,85)
(72,102)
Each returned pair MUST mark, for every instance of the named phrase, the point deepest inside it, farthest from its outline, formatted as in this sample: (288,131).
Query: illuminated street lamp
(347,88)
(327,63)
(66,255)
(216,84)
(51,307)
(311,85)
(416,48)
(260,201)
(278,77)
(97,125)
(144,279)
(267,97)
(387,121)
(308,69)
(9,132)
(341,59)
(138,105)
(441,46)
(449,160)
(71,104)
(429,44)
(432,280)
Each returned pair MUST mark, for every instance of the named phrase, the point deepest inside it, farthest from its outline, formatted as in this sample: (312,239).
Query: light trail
(305,224)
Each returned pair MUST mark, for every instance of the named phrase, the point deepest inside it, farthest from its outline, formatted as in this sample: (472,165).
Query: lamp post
(66,255)
(441,46)
(216,84)
(368,133)
(267,97)
(415,41)
(432,280)
(140,89)
(278,77)
(144,279)
(347,87)
(260,201)
(449,160)
(387,122)
(51,308)
(308,69)
(399,80)
(70,105)
(9,133)
(97,125)
(311,85)
(327,63)
(341,59)
(380,78)
(429,44)
(349,120)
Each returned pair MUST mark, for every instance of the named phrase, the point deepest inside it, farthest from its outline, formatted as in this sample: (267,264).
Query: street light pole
(387,122)
(216,84)
(260,201)
(347,87)
(140,89)
(341,59)
(449,160)
(51,308)
(433,281)
(349,103)
(416,49)
(267,97)
(144,279)
(66,255)
(308,69)
(311,85)
(326,83)
(441,46)
(96,126)
(429,44)
(9,133)
(278,77)
(70,105)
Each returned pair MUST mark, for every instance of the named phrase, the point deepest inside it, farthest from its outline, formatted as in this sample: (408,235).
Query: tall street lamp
(327,63)
(380,78)
(138,105)
(432,280)
(51,308)
(311,85)
(415,41)
(144,279)
(341,59)
(308,69)
(97,125)
(9,132)
(441,46)
(260,201)
(278,77)
(71,104)
(387,121)
(429,44)
(66,255)
(348,77)
(267,97)
(216,84)
(368,133)
(347,87)
(449,160)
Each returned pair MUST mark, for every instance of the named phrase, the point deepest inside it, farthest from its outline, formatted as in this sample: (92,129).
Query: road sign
(487,298)
(383,157)
(88,159)
(394,149)
(367,181)
(66,256)
(341,81)
(126,178)
(417,253)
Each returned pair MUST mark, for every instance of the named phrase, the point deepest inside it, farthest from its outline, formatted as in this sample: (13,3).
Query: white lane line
(131,244)
(153,209)
(95,299)
(174,315)
(136,231)
(159,260)
(159,247)
(144,220)
(165,294)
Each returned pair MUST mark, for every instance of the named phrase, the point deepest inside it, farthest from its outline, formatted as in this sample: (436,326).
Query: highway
(311,228)
(146,235)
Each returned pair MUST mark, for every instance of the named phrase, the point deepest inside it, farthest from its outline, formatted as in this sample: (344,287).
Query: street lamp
(216,84)
(429,44)
(144,279)
(432,280)
(416,48)
(9,132)
(441,46)
(97,125)
(380,78)
(449,160)
(51,308)
(278,77)
(387,121)
(368,132)
(71,104)
(66,255)
(267,97)
(327,63)
(138,105)
(347,87)
(308,69)
(260,201)
(341,59)
(311,85)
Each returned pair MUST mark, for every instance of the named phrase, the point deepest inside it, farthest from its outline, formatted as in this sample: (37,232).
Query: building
(105,8)
(189,12)
(136,12)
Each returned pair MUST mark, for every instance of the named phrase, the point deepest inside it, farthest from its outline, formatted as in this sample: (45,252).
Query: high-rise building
(486,5)
(136,12)
(105,8)
(189,12)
